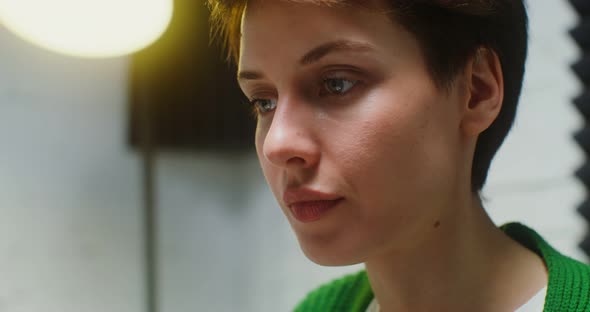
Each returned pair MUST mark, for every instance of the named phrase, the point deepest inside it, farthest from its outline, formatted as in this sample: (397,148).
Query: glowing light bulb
(88,28)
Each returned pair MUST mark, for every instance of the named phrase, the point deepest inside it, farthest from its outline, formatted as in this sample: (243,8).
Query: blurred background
(73,191)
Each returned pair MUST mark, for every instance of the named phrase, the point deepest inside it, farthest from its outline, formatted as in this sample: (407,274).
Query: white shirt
(535,304)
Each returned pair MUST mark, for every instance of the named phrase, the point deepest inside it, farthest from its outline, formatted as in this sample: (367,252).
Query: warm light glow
(88,28)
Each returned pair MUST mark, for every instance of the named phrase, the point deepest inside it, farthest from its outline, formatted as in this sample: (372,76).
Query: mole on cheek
(436,224)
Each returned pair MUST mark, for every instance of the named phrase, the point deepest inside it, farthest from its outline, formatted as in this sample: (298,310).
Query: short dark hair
(449,32)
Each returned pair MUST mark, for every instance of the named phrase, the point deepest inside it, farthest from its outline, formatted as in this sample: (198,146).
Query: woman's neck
(465,264)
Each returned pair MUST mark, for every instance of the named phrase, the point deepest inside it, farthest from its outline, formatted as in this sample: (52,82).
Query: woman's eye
(263,105)
(338,85)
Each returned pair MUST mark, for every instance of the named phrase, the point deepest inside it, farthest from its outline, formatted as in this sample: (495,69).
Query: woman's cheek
(260,137)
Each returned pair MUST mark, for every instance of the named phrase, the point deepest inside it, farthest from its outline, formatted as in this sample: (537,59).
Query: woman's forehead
(282,36)
(367,4)
(316,2)
(304,12)
(304,23)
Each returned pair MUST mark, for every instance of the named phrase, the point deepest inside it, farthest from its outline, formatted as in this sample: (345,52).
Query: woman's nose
(291,140)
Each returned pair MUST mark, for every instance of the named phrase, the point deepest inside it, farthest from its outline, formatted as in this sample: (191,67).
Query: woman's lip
(302,195)
(308,205)
(313,210)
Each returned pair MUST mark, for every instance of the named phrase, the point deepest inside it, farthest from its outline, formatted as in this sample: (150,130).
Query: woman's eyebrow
(317,54)
(250,75)
(324,49)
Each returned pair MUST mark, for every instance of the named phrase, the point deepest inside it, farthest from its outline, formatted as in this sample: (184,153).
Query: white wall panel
(69,188)
(532,180)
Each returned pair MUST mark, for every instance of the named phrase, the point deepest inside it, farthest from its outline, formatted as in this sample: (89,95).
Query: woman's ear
(485,87)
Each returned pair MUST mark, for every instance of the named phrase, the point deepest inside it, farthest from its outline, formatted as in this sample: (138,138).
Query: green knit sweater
(568,288)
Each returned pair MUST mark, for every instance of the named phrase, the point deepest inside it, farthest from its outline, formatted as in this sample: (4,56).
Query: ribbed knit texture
(569,280)
(350,293)
(568,289)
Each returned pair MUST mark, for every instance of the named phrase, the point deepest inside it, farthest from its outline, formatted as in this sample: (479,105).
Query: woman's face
(358,145)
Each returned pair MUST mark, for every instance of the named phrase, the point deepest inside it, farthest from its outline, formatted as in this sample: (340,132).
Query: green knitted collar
(568,288)
(569,280)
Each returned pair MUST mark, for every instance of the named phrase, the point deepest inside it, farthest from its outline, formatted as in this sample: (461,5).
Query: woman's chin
(329,256)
